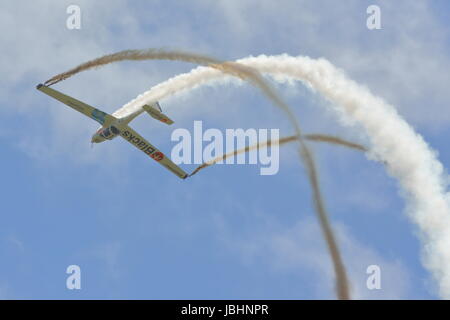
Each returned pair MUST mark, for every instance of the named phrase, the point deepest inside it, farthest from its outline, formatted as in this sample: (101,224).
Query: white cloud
(41,46)
(299,250)
(394,63)
(402,63)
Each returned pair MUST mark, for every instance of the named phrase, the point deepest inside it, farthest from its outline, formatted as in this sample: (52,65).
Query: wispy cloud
(299,250)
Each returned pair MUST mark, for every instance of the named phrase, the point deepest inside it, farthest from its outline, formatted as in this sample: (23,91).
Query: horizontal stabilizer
(157,114)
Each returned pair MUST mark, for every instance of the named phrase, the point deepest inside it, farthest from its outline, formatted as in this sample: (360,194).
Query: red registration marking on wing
(158,156)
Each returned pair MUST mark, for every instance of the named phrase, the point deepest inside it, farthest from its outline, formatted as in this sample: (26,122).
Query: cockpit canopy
(109,132)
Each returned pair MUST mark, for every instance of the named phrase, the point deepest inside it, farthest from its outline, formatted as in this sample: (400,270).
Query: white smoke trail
(255,78)
(410,159)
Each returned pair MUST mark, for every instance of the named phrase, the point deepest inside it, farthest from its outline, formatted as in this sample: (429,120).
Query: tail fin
(155,112)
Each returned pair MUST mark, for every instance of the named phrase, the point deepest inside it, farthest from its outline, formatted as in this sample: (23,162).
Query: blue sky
(139,232)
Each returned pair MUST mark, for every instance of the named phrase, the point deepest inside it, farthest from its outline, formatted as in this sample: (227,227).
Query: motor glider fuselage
(111,127)
(106,133)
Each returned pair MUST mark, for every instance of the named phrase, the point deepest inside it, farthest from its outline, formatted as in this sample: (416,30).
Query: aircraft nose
(95,139)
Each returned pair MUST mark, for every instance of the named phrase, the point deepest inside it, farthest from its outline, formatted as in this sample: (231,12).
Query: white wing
(139,142)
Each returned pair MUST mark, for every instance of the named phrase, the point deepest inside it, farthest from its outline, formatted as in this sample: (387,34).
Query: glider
(112,127)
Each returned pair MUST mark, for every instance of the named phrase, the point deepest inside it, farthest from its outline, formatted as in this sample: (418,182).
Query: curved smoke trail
(411,161)
(134,55)
(254,77)
(282,141)
(334,140)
